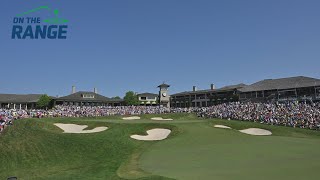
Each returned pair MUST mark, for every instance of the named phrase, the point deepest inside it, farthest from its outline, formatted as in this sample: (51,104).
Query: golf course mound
(78,129)
(156,134)
(131,118)
(256,132)
(161,119)
(222,126)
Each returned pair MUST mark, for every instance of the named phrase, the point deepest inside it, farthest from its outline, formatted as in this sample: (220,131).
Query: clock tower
(164,98)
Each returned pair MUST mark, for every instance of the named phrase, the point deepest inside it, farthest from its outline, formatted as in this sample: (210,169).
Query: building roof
(19,98)
(282,83)
(230,87)
(223,89)
(146,94)
(78,96)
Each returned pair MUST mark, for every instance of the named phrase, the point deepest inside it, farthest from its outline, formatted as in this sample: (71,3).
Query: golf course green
(195,149)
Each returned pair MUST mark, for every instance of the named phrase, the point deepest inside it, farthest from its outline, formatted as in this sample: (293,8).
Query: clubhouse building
(80,98)
(205,98)
(148,99)
(19,101)
(87,98)
(298,88)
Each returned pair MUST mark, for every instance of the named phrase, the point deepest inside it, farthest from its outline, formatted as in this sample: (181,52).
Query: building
(298,88)
(87,98)
(205,98)
(148,99)
(19,101)
(164,97)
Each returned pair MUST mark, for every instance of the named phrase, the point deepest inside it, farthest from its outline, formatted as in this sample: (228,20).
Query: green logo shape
(54,20)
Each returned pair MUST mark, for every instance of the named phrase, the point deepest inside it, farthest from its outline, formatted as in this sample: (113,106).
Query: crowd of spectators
(7,116)
(292,114)
(96,111)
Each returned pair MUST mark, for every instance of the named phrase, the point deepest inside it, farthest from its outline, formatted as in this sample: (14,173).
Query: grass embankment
(36,149)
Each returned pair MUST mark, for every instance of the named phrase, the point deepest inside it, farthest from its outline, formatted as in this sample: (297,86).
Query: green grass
(204,152)
(36,149)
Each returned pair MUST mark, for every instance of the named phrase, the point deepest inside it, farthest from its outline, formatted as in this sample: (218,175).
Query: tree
(116,97)
(44,101)
(131,98)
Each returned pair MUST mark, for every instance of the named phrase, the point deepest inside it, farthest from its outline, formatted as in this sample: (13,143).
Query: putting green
(203,152)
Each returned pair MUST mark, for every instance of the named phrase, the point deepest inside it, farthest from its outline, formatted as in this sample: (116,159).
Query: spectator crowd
(7,116)
(292,114)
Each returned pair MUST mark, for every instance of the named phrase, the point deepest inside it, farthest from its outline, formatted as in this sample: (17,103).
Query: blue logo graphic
(26,27)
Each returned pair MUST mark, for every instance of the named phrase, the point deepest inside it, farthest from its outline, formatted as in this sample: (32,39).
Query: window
(143,98)
(91,96)
(152,98)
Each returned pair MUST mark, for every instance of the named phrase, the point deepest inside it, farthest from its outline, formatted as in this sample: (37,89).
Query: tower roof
(164,85)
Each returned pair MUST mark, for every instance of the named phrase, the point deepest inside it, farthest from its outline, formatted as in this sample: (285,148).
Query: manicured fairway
(36,149)
(203,152)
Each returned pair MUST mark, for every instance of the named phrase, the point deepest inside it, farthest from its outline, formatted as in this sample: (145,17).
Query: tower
(164,98)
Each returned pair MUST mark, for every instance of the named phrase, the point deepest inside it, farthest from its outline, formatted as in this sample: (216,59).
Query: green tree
(131,98)
(44,101)
(116,97)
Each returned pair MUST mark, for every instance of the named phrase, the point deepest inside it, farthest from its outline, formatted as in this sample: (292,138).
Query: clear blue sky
(119,45)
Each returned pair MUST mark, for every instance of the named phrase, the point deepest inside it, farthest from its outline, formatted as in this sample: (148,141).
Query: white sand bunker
(153,135)
(222,126)
(131,118)
(160,119)
(256,132)
(74,128)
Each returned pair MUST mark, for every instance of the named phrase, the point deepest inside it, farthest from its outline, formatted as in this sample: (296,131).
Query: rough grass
(36,149)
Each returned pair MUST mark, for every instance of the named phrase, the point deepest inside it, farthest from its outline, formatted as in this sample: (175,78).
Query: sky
(122,45)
